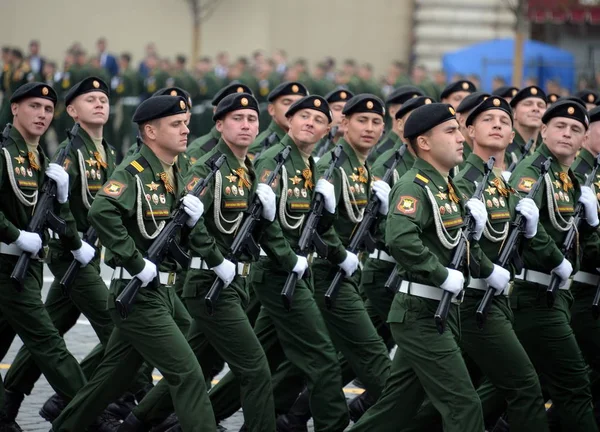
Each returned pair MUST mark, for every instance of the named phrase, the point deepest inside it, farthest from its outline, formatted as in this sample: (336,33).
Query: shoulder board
(472,174)
(210,144)
(137,166)
(539,161)
(421,180)
(583,167)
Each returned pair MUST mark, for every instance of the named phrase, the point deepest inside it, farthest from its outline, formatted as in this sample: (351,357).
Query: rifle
(265,144)
(5,134)
(393,280)
(524,154)
(509,250)
(571,237)
(330,136)
(441,314)
(89,237)
(243,240)
(361,237)
(43,215)
(309,236)
(165,241)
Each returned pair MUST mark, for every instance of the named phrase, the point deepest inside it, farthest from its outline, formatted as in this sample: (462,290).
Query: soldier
(208,85)
(23,167)
(545,332)
(129,211)
(529,105)
(588,98)
(455,92)
(337,100)
(19,74)
(463,110)
(421,237)
(127,87)
(156,79)
(280,99)
(551,98)
(506,92)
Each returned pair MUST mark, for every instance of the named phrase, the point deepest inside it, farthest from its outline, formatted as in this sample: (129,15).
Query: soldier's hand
(563,270)
(84,254)
(327,190)
(479,213)
(454,283)
(267,198)
(350,264)
(29,242)
(531,213)
(60,176)
(301,266)
(590,204)
(194,208)
(225,271)
(382,190)
(148,273)
(499,279)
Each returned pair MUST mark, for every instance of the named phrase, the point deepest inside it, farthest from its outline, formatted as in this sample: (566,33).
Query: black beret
(552,97)
(313,102)
(87,85)
(231,88)
(471,101)
(427,117)
(235,102)
(175,91)
(364,102)
(528,92)
(491,103)
(594,114)
(457,86)
(576,100)
(568,109)
(287,88)
(506,91)
(587,96)
(402,94)
(158,107)
(412,104)
(34,90)
(339,95)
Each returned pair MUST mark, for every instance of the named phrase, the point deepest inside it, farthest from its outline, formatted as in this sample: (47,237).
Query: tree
(200,10)
(519,9)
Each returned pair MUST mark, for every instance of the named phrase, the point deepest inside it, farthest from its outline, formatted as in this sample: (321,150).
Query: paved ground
(80,340)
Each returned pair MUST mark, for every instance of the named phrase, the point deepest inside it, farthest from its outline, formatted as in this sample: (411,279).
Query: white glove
(267,198)
(563,270)
(499,278)
(326,189)
(454,283)
(148,274)
(29,242)
(350,264)
(506,175)
(84,254)
(531,213)
(479,213)
(194,208)
(301,266)
(382,190)
(225,271)
(590,204)
(60,176)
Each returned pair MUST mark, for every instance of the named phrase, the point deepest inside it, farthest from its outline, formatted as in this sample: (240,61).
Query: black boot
(170,424)
(297,417)
(359,405)
(132,424)
(53,407)
(12,403)
(106,422)
(8,425)
(122,406)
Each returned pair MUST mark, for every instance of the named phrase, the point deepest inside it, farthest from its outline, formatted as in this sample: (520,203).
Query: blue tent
(495,58)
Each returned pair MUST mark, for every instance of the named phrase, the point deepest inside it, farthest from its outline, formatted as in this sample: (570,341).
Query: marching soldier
(545,332)
(23,166)
(455,92)
(337,100)
(421,237)
(280,99)
(128,212)
(17,75)
(506,92)
(127,87)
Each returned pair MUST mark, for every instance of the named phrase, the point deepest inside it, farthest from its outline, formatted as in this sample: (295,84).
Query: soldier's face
(492,129)
(529,112)
(363,130)
(33,116)
(90,108)
(239,128)
(564,137)
(171,133)
(307,127)
(336,113)
(279,107)
(444,145)
(456,98)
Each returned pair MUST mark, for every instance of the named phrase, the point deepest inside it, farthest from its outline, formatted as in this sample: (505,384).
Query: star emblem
(295,180)
(152,186)
(491,190)
(20,159)
(91,162)
(354,177)
(557,184)
(231,177)
(441,195)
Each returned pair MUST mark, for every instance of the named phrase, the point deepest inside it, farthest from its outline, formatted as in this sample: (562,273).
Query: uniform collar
(587,157)
(555,166)
(432,174)
(476,162)
(521,141)
(214,133)
(232,160)
(153,160)
(274,127)
(351,154)
(295,155)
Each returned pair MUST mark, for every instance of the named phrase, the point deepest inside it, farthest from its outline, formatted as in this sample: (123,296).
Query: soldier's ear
(471,131)
(14,108)
(544,131)
(423,143)
(219,126)
(271,109)
(71,111)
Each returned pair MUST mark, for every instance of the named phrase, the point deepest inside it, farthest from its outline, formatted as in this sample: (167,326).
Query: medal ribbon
(32,161)
(308,182)
(100,161)
(165,179)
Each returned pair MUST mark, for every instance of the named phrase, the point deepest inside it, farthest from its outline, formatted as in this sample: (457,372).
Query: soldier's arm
(8,231)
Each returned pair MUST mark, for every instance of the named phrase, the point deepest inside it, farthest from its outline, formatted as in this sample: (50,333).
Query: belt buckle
(171,279)
(245,269)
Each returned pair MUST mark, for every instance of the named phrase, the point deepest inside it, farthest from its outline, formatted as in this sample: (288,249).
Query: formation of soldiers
(466,235)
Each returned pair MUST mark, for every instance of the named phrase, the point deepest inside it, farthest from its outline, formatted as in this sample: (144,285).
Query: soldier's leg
(548,338)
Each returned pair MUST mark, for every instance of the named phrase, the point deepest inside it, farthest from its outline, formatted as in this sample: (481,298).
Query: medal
(162,198)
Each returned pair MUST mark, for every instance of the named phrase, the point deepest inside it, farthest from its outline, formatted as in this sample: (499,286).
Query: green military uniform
(515,149)
(545,332)
(126,89)
(12,78)
(201,121)
(202,145)
(392,139)
(62,120)
(257,145)
(155,80)
(299,335)
(127,212)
